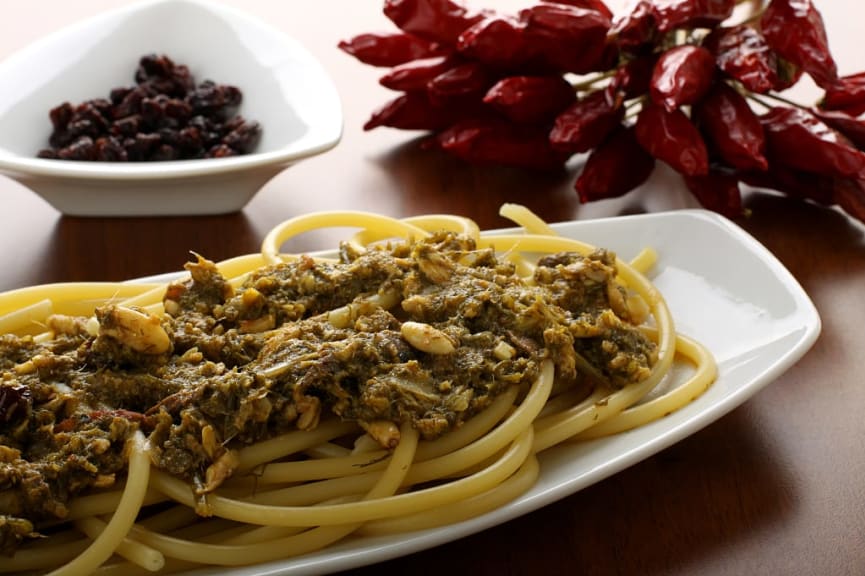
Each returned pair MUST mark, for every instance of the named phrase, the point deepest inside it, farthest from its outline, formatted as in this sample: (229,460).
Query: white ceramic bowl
(284,88)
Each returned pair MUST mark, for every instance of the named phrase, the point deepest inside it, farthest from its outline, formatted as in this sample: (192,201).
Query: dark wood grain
(775,487)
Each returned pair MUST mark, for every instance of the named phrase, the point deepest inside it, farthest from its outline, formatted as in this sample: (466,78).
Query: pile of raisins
(165,116)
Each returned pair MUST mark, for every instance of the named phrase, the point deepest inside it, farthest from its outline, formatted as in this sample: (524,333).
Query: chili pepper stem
(754,98)
(589,83)
(757,7)
(774,96)
(633,107)
(754,17)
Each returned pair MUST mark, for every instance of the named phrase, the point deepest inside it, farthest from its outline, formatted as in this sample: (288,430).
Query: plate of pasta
(292,414)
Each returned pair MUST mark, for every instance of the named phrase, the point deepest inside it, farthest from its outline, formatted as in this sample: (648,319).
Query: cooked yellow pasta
(300,490)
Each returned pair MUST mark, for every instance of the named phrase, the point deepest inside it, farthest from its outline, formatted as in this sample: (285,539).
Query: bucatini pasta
(273,404)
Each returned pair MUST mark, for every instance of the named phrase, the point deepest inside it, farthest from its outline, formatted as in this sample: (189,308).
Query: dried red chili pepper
(596,5)
(497,41)
(461,81)
(610,56)
(670,136)
(805,185)
(742,53)
(718,192)
(682,75)
(636,28)
(566,38)
(852,128)
(492,140)
(798,139)
(618,165)
(503,85)
(671,14)
(733,131)
(435,20)
(847,95)
(795,30)
(587,122)
(413,111)
(849,194)
(633,77)
(390,48)
(530,99)
(417,74)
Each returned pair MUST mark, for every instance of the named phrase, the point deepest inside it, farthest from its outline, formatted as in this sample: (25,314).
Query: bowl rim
(326,135)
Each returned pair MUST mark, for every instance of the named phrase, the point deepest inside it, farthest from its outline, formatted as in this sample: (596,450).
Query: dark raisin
(189,141)
(141,147)
(159,86)
(80,149)
(221,151)
(103,106)
(15,402)
(60,138)
(152,65)
(165,152)
(244,138)
(204,98)
(233,96)
(61,115)
(201,122)
(131,103)
(91,110)
(232,124)
(128,126)
(118,94)
(109,149)
(169,136)
(214,100)
(82,127)
(183,80)
(152,109)
(177,109)
(133,154)
(208,130)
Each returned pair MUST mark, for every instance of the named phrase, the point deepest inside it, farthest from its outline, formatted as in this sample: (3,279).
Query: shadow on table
(432,181)
(114,249)
(812,241)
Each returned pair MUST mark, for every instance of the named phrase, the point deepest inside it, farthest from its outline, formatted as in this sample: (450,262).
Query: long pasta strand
(127,509)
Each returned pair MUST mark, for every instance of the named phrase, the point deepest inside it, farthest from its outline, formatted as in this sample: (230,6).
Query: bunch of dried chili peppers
(672,80)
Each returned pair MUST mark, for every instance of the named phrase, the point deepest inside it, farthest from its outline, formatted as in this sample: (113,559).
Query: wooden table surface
(775,487)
